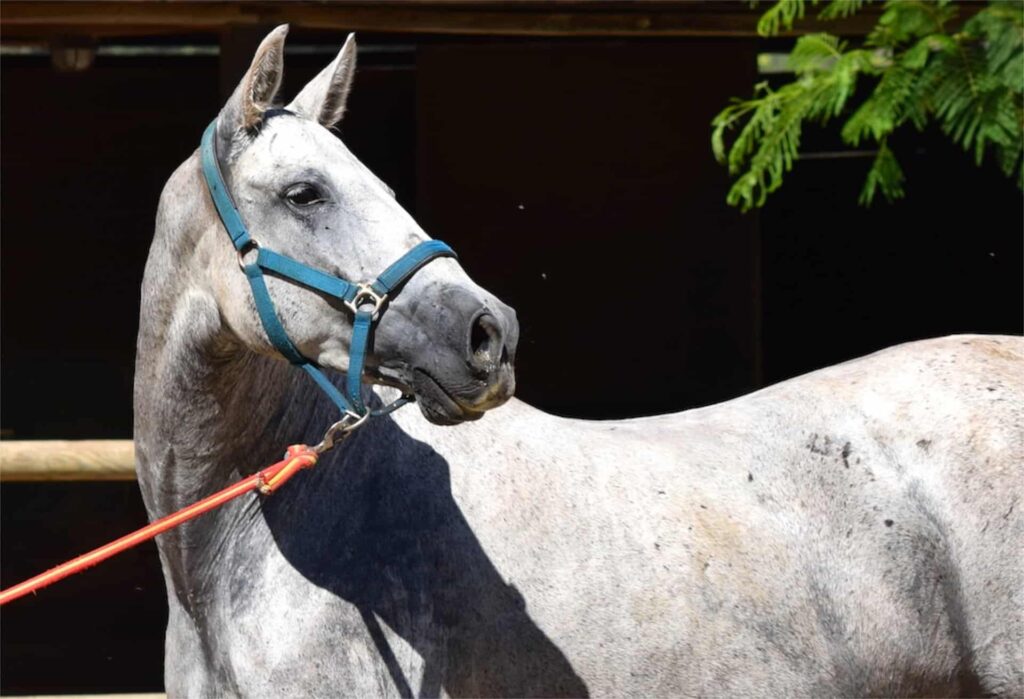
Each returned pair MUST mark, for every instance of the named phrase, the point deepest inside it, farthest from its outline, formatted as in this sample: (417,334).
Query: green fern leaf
(885,176)
(780,16)
(970,83)
(815,53)
(840,9)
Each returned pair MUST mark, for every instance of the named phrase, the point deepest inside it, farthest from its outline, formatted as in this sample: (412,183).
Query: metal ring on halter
(365,295)
(251,244)
(340,430)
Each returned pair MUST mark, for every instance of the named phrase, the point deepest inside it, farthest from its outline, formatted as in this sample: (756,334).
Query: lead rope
(268,480)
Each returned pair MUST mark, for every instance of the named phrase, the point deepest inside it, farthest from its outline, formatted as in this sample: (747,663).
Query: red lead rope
(266,481)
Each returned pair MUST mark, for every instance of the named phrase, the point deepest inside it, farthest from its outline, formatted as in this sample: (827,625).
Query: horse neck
(215,411)
(207,409)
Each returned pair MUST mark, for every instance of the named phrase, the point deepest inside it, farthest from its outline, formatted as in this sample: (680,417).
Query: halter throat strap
(367,301)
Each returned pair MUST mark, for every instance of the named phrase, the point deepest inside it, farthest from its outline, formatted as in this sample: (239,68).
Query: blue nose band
(366,301)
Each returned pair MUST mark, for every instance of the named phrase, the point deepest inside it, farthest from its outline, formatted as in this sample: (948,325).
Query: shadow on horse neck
(375,524)
(378,527)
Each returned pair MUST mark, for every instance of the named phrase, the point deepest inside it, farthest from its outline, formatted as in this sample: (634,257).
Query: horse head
(303,194)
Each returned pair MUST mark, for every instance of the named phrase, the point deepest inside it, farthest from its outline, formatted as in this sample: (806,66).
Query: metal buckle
(251,245)
(366,295)
(340,431)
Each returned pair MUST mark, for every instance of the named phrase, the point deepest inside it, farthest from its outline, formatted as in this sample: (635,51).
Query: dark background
(574,178)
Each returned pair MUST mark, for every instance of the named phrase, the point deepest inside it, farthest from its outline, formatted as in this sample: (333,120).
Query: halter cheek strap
(366,301)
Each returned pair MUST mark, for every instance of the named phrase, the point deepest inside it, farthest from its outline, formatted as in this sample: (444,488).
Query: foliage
(920,65)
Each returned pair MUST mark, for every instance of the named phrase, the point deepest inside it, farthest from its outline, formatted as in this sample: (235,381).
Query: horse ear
(324,97)
(256,92)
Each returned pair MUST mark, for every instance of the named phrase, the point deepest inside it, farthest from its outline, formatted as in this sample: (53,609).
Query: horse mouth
(437,403)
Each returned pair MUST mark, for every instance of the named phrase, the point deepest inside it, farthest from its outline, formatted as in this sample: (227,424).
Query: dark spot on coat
(847,450)
(819,445)
(750,477)
(924,443)
(888,522)
(703,507)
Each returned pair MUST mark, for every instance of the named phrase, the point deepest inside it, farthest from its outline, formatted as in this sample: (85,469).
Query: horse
(854,531)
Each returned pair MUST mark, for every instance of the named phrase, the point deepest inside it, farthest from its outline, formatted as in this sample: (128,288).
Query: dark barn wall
(638,289)
(578,177)
(841,281)
(84,158)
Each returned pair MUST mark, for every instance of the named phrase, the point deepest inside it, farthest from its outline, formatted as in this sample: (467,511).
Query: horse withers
(855,531)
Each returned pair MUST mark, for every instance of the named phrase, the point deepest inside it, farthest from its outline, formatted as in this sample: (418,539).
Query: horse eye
(303,194)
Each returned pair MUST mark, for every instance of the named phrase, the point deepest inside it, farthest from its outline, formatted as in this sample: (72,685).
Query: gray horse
(856,531)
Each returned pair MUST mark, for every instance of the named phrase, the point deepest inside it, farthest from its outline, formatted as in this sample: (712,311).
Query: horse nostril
(486,342)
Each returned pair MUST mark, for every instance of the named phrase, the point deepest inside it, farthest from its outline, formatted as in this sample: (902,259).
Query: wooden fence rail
(67,460)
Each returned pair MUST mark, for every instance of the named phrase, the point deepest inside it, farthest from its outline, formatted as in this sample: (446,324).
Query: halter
(366,301)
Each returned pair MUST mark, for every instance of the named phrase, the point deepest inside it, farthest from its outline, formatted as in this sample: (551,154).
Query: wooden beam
(134,695)
(67,460)
(24,20)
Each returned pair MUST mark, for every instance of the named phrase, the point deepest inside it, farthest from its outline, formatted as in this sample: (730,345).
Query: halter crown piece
(366,301)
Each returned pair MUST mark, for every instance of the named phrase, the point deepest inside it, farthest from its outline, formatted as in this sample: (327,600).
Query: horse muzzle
(463,363)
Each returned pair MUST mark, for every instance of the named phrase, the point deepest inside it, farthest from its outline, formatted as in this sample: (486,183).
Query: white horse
(856,531)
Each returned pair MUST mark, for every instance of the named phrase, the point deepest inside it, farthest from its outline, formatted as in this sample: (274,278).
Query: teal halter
(366,301)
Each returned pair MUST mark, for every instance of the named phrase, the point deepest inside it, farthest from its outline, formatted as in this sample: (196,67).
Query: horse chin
(437,404)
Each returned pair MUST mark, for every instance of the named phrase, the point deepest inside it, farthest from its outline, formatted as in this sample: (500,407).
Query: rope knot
(297,457)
